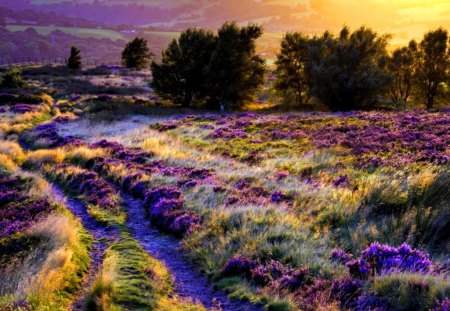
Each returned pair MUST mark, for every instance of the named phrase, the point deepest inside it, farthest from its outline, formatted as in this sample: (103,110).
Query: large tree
(74,61)
(137,54)
(432,65)
(346,70)
(181,76)
(235,70)
(401,66)
(291,72)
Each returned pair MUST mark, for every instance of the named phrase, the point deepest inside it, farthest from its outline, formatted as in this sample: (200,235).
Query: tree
(292,74)
(432,62)
(346,71)
(13,79)
(181,76)
(401,67)
(136,54)
(74,61)
(235,70)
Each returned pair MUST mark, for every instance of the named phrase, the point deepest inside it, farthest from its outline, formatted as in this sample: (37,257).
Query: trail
(102,235)
(188,282)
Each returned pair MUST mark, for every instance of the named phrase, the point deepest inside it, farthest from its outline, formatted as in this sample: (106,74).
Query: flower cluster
(274,274)
(122,153)
(47,135)
(18,212)
(378,259)
(89,184)
(22,108)
(164,207)
(373,138)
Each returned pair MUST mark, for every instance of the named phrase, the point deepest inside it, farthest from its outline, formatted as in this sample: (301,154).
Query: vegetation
(182,75)
(401,67)
(12,79)
(292,74)
(433,60)
(74,61)
(236,72)
(136,54)
(121,201)
(223,70)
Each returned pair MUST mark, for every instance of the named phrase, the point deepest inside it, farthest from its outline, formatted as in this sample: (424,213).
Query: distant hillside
(274,15)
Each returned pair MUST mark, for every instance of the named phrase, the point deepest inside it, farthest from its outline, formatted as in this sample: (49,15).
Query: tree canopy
(74,61)
(137,54)
(182,74)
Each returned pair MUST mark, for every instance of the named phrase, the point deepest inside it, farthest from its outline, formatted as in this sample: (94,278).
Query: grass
(46,156)
(131,280)
(49,273)
(411,292)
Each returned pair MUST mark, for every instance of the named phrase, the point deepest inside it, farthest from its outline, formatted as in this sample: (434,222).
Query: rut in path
(103,236)
(188,282)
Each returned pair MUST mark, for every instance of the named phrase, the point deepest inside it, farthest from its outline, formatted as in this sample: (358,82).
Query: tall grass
(51,272)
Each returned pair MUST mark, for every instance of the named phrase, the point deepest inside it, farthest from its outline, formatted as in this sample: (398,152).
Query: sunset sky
(402,18)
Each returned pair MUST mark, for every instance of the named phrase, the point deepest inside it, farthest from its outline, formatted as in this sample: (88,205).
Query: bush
(13,79)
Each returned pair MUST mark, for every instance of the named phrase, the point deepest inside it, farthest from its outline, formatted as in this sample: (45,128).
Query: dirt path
(102,235)
(189,283)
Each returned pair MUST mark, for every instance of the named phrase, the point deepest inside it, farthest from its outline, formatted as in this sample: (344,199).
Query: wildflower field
(244,211)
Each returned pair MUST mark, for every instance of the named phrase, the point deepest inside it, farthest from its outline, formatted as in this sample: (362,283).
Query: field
(268,44)
(79,32)
(121,202)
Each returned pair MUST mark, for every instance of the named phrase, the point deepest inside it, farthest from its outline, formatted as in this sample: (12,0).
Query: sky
(404,19)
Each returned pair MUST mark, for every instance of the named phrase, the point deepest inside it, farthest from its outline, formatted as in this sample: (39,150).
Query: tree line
(350,70)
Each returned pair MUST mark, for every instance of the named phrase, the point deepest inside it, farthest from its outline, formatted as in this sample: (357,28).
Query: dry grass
(83,154)
(13,150)
(7,165)
(45,156)
(52,267)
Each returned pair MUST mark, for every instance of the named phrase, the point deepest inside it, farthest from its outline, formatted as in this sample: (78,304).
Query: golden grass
(51,271)
(45,156)
(7,165)
(13,150)
(82,153)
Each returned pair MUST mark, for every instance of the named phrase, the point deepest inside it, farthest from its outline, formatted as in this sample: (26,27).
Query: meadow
(120,202)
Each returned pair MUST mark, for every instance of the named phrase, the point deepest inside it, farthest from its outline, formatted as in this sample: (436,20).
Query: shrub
(13,79)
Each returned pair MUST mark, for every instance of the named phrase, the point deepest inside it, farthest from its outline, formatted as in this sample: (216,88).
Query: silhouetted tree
(235,70)
(74,61)
(346,71)
(401,66)
(291,71)
(12,79)
(136,54)
(432,63)
(181,76)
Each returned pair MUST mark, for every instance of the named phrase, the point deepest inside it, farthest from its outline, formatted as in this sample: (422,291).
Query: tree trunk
(430,102)
(187,100)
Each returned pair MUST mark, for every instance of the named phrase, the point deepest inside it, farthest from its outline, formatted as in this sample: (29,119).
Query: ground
(276,211)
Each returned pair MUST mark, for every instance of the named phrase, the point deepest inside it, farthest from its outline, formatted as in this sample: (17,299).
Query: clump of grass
(13,150)
(80,155)
(51,271)
(36,159)
(7,165)
(410,291)
(131,280)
